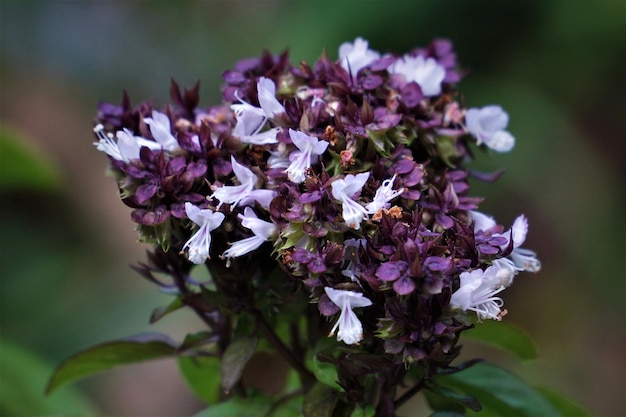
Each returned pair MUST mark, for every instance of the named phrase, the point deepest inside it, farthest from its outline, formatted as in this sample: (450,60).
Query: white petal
(267,98)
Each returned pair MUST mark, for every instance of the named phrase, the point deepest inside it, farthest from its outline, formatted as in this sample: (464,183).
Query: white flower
(522,259)
(309,147)
(477,292)
(350,328)
(127,146)
(243,193)
(481,220)
(251,120)
(355,56)
(199,244)
(160,129)
(383,196)
(343,190)
(267,98)
(488,125)
(519,259)
(427,73)
(262,230)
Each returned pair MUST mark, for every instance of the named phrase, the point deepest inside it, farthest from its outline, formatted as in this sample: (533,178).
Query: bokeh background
(557,67)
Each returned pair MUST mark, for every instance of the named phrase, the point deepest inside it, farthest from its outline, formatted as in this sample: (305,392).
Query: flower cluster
(347,175)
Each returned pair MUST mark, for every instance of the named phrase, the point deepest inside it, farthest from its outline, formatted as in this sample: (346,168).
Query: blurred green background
(557,67)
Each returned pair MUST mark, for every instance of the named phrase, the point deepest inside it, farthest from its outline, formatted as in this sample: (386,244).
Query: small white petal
(160,129)
(481,221)
(427,73)
(355,56)
(267,98)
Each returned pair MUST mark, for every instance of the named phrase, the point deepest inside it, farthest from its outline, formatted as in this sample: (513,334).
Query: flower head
(488,125)
(350,329)
(199,244)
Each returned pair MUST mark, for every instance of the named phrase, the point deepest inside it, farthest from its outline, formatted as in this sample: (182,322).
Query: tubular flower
(251,120)
(243,193)
(477,292)
(344,190)
(383,196)
(127,146)
(199,244)
(160,128)
(522,259)
(350,329)
(309,147)
(355,56)
(427,73)
(488,126)
(262,230)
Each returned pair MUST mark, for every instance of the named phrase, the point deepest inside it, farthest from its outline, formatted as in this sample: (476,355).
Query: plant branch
(409,393)
(283,349)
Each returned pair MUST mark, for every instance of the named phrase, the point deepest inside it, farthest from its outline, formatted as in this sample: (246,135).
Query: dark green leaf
(325,372)
(251,406)
(506,336)
(196,340)
(24,166)
(447,414)
(235,359)
(320,401)
(442,398)
(566,406)
(160,312)
(202,374)
(499,391)
(108,355)
(23,378)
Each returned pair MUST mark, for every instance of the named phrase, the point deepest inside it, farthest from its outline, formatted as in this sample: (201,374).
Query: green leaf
(499,391)
(251,406)
(325,373)
(23,377)
(506,336)
(566,406)
(108,355)
(442,398)
(24,166)
(447,414)
(160,312)
(290,407)
(202,374)
(367,411)
(234,360)
(320,401)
